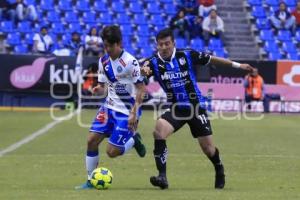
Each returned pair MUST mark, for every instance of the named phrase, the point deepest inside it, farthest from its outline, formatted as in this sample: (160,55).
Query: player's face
(282,7)
(113,50)
(165,47)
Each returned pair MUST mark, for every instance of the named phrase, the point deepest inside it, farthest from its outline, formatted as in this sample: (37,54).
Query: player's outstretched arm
(140,92)
(217,61)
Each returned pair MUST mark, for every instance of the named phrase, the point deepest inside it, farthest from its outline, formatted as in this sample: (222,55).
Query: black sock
(160,154)
(215,159)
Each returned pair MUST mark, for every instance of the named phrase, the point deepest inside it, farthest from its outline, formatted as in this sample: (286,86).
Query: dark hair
(167,32)
(93,27)
(43,27)
(112,34)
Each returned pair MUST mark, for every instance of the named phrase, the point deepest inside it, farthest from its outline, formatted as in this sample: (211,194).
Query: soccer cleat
(86,186)
(159,181)
(220,177)
(138,145)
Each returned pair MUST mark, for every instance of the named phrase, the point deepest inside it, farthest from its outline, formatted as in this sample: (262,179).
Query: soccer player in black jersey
(174,70)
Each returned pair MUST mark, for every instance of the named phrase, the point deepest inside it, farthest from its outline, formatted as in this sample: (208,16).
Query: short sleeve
(200,57)
(36,37)
(101,74)
(87,38)
(136,71)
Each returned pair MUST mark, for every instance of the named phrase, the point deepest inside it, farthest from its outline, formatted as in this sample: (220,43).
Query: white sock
(91,163)
(128,145)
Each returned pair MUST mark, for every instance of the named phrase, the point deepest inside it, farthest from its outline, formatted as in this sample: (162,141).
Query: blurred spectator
(254,88)
(74,43)
(296,14)
(196,28)
(6,11)
(3,45)
(213,26)
(42,42)
(179,24)
(93,43)
(282,19)
(90,81)
(205,6)
(24,11)
(190,7)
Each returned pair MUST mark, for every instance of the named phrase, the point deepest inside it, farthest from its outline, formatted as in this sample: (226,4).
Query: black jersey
(178,77)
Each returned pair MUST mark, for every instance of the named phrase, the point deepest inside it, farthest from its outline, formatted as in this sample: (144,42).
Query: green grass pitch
(261,159)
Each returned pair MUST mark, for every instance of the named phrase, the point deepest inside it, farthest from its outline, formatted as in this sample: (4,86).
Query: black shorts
(197,120)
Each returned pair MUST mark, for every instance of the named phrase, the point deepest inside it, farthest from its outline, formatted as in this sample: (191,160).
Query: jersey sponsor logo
(182,61)
(119,69)
(121,76)
(121,129)
(288,73)
(122,62)
(135,63)
(106,67)
(173,75)
(121,88)
(161,66)
(101,116)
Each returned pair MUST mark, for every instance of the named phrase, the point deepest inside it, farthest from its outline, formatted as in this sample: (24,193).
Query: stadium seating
(105,19)
(71,17)
(135,7)
(126,30)
(47,5)
(289,47)
(29,39)
(263,24)
(138,19)
(83,6)
(267,35)
(13,39)
(7,27)
(89,17)
(122,18)
(272,3)
(24,27)
(275,56)
(30,2)
(118,7)
(65,5)
(100,6)
(21,49)
(271,46)
(258,12)
(180,43)
(53,17)
(255,2)
(277,44)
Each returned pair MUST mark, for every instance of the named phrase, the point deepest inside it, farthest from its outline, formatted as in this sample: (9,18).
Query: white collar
(173,55)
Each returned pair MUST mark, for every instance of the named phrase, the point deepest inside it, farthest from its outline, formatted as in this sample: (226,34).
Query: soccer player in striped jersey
(174,69)
(117,118)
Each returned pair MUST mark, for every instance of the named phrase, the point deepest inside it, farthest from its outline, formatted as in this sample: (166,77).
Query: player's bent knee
(92,143)
(162,130)
(112,153)
(158,135)
(208,149)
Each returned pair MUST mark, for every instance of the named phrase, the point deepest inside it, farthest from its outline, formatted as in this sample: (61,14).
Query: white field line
(35,134)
